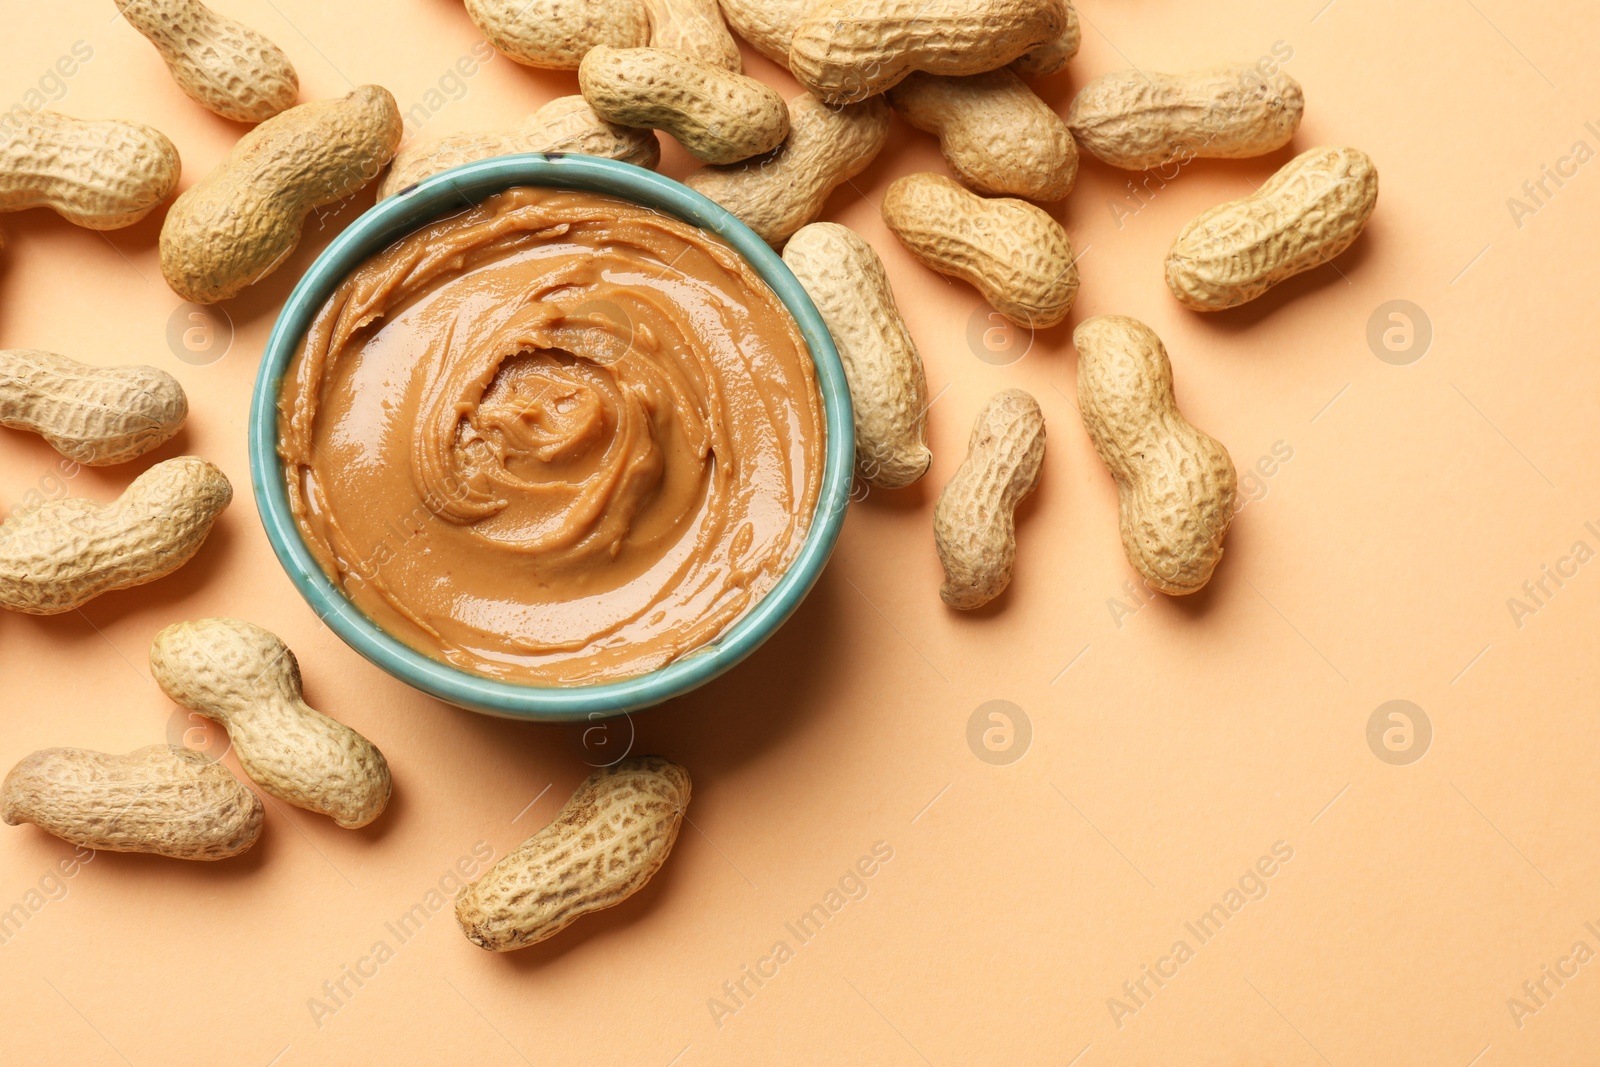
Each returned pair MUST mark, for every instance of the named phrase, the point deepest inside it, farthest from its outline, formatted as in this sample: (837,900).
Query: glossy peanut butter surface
(555,439)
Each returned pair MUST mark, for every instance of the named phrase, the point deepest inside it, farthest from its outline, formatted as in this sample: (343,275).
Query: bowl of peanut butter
(551,437)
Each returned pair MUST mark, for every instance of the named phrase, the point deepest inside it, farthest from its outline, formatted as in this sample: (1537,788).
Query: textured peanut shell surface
(565,124)
(888,389)
(995,132)
(845,50)
(1138,120)
(602,847)
(717,115)
(693,28)
(974,523)
(102,175)
(245,678)
(61,554)
(1175,483)
(1302,217)
(96,416)
(238,223)
(1052,56)
(780,192)
(555,34)
(221,64)
(1011,251)
(768,25)
(165,800)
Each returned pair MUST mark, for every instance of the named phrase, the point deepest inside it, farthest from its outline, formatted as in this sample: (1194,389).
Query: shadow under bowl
(448,193)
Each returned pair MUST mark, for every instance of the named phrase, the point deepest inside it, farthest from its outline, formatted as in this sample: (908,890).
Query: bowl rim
(458,189)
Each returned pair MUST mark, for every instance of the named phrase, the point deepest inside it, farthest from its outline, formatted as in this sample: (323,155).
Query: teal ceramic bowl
(445,194)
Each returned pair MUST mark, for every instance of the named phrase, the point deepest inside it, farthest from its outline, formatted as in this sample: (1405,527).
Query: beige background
(1171,748)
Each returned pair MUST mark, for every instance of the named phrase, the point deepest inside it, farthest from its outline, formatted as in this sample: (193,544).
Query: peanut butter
(555,439)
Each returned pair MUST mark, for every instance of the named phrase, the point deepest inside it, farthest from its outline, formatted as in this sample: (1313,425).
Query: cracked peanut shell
(602,847)
(1175,483)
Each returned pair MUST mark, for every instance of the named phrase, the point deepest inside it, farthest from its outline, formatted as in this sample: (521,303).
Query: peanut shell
(888,390)
(245,678)
(100,175)
(164,800)
(1302,217)
(996,134)
(556,34)
(602,847)
(768,25)
(241,221)
(778,193)
(565,124)
(1052,56)
(222,65)
(693,28)
(848,50)
(717,115)
(61,554)
(1012,252)
(96,416)
(974,522)
(1136,120)
(1175,483)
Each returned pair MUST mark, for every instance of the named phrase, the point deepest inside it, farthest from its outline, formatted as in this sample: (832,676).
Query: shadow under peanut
(31,847)
(1196,606)
(907,499)
(39,233)
(43,228)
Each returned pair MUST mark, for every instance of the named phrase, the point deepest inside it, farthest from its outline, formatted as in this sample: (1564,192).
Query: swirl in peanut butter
(555,439)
